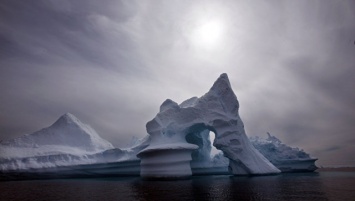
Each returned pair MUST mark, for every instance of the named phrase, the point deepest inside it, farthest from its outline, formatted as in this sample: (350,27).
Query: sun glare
(208,34)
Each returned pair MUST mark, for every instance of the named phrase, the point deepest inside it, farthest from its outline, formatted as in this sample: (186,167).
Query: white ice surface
(171,146)
(278,153)
(216,111)
(179,129)
(67,142)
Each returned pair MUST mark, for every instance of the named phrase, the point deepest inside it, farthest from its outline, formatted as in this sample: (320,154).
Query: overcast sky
(112,63)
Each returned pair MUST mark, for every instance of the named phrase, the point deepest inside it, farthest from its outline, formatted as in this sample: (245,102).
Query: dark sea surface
(292,186)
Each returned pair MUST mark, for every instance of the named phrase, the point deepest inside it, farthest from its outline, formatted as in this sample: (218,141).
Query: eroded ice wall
(216,111)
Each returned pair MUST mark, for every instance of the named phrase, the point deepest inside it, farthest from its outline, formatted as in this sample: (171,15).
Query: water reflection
(277,187)
(296,186)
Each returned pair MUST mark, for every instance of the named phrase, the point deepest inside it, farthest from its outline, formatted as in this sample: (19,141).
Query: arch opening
(201,157)
(206,159)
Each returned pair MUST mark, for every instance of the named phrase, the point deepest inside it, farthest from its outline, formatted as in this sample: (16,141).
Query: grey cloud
(41,35)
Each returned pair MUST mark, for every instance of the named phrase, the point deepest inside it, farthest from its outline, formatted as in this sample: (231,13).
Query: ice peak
(221,84)
(67,118)
(167,104)
(223,91)
(273,138)
(66,131)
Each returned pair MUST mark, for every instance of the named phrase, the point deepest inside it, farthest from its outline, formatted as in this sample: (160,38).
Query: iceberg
(66,131)
(66,142)
(178,145)
(169,154)
(286,158)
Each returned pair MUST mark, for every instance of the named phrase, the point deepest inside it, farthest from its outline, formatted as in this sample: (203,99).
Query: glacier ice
(177,145)
(201,157)
(66,142)
(216,111)
(284,157)
(273,149)
(66,131)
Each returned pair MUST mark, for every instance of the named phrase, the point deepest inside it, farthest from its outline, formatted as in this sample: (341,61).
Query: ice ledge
(173,146)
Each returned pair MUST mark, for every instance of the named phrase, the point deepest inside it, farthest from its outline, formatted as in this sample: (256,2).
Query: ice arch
(201,156)
(168,154)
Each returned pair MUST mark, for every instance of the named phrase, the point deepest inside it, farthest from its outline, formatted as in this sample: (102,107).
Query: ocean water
(292,186)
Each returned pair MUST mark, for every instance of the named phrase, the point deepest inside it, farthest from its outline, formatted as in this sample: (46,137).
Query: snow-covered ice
(177,145)
(274,150)
(66,142)
(67,131)
(216,111)
(284,157)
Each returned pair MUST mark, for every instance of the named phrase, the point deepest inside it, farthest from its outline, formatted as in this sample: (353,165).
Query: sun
(208,34)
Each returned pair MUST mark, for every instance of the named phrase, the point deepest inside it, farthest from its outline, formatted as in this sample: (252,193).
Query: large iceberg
(66,142)
(169,154)
(177,145)
(67,131)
